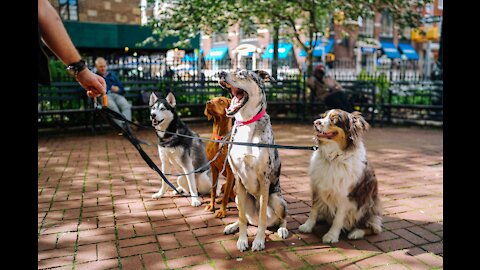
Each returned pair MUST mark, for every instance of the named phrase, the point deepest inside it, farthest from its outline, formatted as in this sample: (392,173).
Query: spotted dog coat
(257,170)
(343,183)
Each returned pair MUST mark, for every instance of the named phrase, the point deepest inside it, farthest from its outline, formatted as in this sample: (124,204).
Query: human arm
(56,38)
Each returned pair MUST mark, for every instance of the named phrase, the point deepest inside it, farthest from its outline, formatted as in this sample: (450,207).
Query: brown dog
(222,125)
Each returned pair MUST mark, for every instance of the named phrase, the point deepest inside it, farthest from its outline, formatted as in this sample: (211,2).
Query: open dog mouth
(156,122)
(325,135)
(239,98)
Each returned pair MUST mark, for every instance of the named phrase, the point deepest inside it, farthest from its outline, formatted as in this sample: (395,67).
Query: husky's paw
(232,228)
(242,244)
(282,232)
(304,228)
(258,244)
(330,238)
(158,195)
(356,234)
(196,202)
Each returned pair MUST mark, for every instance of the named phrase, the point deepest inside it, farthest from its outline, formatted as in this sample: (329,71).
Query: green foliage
(58,73)
(186,18)
(381,82)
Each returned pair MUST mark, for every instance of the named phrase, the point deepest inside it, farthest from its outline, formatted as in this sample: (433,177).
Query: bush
(58,73)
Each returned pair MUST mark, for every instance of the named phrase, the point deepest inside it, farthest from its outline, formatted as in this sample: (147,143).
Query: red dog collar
(254,119)
(217,137)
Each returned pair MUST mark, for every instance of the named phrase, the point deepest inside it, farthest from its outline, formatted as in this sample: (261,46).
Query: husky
(257,170)
(185,153)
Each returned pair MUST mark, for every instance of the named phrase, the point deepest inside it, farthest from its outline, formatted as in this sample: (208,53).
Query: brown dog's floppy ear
(264,75)
(207,114)
(229,101)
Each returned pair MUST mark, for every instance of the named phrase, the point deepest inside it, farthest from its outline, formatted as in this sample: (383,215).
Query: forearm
(54,33)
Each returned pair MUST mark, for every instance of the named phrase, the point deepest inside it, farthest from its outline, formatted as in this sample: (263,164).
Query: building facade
(368,43)
(100,11)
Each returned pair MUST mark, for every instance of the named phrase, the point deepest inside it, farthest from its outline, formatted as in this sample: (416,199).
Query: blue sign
(368,49)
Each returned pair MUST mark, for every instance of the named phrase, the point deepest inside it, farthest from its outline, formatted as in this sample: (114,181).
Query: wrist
(75,68)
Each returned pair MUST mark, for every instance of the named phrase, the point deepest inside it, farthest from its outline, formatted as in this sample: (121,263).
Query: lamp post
(427,59)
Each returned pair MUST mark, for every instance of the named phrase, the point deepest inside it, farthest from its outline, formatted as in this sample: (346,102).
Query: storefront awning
(283,50)
(390,50)
(192,58)
(216,53)
(408,51)
(88,35)
(317,50)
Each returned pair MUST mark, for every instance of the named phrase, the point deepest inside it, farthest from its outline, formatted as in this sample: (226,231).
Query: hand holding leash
(104,101)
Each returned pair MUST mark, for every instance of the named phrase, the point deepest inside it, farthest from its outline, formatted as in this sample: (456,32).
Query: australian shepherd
(343,183)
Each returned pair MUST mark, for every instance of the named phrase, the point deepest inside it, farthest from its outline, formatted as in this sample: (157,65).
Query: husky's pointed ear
(171,100)
(264,75)
(153,99)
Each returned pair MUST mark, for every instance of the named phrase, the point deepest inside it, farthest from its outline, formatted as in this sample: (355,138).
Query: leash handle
(104,101)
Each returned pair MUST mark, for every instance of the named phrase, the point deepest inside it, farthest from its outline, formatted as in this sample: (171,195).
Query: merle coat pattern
(257,170)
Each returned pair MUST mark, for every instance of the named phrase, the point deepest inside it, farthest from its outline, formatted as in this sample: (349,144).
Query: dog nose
(153,115)
(209,102)
(317,122)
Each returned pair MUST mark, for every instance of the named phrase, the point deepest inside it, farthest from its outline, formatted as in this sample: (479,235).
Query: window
(219,37)
(367,28)
(387,25)
(440,4)
(407,32)
(244,36)
(68,9)
(429,9)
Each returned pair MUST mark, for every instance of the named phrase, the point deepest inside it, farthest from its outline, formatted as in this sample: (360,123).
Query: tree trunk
(310,62)
(275,51)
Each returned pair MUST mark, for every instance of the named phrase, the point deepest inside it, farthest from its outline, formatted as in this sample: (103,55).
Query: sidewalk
(95,209)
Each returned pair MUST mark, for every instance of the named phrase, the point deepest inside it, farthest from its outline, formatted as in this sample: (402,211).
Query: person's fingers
(97,87)
(92,93)
(103,83)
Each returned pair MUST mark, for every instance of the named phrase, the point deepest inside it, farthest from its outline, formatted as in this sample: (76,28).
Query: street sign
(432,19)
(368,49)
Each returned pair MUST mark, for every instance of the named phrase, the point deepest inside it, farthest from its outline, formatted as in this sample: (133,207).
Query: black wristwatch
(74,68)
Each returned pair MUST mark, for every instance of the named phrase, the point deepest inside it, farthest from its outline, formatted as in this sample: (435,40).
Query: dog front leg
(242,243)
(226,194)
(259,242)
(192,184)
(165,169)
(213,191)
(332,235)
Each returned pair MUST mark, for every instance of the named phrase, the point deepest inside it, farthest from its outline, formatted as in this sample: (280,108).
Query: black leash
(131,137)
(203,167)
(263,145)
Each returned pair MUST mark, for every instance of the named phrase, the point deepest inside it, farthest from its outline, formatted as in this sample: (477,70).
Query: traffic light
(432,33)
(418,35)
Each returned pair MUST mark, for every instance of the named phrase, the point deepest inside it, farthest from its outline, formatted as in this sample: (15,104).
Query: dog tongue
(233,104)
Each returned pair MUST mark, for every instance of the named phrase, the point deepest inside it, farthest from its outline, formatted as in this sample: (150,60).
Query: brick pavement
(95,209)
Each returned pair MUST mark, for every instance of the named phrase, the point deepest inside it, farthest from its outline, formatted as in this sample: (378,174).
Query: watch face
(71,71)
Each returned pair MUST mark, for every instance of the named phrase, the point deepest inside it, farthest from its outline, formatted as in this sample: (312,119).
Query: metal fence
(159,67)
(386,96)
